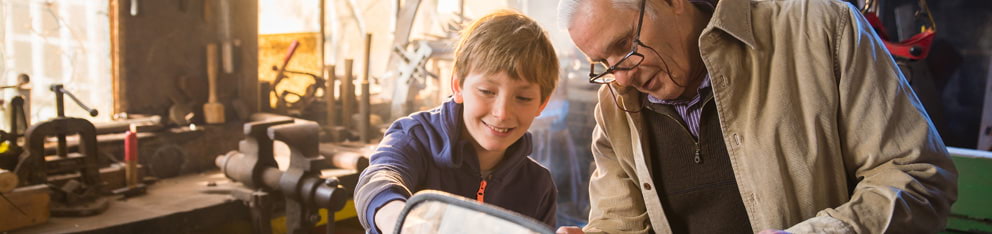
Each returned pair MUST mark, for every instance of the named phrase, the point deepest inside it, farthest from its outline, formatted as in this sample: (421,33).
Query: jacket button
(647,186)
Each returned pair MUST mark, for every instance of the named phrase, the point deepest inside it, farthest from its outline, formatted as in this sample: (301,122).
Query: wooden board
(32,200)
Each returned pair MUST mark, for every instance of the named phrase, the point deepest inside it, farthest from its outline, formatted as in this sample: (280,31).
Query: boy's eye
(486,92)
(525,99)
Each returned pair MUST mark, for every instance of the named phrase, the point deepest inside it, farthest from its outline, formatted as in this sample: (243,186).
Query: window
(57,41)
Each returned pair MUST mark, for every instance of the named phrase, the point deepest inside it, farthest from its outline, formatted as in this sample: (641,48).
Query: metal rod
(60,113)
(61,108)
(59,100)
(322,38)
(347,92)
(365,102)
(329,92)
(264,100)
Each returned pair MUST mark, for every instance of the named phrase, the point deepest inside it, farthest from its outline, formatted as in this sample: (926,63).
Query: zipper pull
(697,159)
(480,196)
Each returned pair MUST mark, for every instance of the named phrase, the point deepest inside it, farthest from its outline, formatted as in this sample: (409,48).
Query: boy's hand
(569,230)
(385,218)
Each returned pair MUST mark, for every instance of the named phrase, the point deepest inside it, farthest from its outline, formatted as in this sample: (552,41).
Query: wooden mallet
(213,110)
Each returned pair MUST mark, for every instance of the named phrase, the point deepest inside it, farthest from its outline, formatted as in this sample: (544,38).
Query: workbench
(195,203)
(177,205)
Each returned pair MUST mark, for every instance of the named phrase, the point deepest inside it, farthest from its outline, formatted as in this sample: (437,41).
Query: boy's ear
(545,104)
(456,90)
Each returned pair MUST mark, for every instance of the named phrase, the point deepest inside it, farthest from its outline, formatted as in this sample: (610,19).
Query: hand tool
(213,111)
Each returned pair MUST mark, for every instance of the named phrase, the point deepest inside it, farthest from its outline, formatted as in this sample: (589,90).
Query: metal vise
(303,189)
(74,198)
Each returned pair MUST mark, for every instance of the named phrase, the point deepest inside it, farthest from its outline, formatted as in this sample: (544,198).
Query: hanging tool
(916,47)
(296,104)
(364,105)
(280,74)
(226,48)
(134,7)
(213,110)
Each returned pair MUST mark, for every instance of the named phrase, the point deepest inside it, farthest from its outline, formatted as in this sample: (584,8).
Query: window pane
(57,41)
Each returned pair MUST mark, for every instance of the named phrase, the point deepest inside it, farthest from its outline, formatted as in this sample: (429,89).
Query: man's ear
(456,90)
(678,6)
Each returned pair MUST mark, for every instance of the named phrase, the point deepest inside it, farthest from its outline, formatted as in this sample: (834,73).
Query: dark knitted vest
(695,181)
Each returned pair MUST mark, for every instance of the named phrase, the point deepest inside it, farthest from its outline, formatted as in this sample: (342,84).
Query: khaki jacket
(823,132)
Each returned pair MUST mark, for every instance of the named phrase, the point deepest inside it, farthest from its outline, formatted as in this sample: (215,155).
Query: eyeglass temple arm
(637,35)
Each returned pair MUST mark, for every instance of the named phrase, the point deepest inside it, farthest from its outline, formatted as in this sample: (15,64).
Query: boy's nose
(500,109)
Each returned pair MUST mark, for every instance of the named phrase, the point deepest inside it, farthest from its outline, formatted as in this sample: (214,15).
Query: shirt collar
(733,17)
(699,93)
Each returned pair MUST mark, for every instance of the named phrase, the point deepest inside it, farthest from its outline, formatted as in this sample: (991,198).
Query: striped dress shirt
(690,109)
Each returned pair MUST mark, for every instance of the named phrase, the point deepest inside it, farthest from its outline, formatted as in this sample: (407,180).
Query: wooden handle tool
(213,110)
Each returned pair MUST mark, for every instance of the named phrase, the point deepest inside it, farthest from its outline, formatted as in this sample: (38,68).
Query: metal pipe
(365,103)
(264,100)
(322,38)
(347,92)
(329,92)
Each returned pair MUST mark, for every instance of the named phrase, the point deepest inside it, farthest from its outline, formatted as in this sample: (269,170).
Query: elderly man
(747,116)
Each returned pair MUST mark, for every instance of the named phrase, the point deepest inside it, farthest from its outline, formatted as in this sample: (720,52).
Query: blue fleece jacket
(426,150)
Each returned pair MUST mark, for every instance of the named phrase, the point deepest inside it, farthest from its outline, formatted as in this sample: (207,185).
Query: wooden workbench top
(177,205)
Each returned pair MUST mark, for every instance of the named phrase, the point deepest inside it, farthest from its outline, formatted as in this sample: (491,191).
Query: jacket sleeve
(549,206)
(905,180)
(394,168)
(615,201)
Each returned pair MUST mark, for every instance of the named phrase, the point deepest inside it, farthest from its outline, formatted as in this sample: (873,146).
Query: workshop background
(234,116)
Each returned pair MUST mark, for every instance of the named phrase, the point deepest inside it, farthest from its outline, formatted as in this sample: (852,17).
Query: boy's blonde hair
(507,41)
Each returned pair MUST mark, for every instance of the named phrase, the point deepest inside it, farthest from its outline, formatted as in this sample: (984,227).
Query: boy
(475,144)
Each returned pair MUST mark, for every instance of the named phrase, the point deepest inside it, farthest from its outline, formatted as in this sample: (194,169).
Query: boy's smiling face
(498,109)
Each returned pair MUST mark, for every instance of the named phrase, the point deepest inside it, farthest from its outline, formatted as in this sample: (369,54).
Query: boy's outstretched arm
(387,215)
(394,168)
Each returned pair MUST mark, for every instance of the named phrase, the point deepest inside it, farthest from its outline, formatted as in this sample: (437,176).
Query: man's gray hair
(568,8)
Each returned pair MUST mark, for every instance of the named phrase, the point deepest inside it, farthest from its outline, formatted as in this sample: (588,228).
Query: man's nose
(624,78)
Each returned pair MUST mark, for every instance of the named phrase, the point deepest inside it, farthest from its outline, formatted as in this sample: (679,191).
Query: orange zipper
(481,195)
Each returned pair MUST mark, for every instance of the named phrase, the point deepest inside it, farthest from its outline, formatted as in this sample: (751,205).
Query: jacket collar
(734,18)
(450,125)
